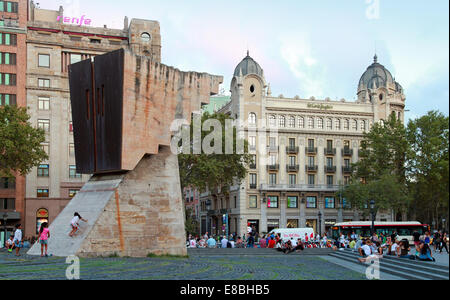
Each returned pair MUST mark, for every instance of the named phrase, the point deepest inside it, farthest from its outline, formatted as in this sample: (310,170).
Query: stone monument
(123,106)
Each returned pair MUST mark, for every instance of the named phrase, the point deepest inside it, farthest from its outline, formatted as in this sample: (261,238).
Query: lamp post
(5,218)
(320,223)
(372,211)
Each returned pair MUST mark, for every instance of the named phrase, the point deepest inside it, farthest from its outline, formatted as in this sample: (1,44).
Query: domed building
(303,149)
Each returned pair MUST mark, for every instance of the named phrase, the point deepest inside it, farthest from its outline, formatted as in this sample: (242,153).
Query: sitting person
(263,243)
(272,243)
(393,249)
(425,253)
(239,242)
(405,249)
(300,246)
(10,244)
(288,247)
(211,242)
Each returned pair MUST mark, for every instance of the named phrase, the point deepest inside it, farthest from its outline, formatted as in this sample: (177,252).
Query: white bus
(294,233)
(403,229)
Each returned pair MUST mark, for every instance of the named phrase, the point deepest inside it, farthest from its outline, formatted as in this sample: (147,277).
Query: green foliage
(384,149)
(214,171)
(191,224)
(20,143)
(387,192)
(380,173)
(428,166)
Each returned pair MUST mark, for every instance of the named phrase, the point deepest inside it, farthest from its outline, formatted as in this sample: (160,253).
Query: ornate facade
(303,152)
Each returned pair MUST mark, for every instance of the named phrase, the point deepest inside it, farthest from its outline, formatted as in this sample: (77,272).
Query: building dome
(376,76)
(248,66)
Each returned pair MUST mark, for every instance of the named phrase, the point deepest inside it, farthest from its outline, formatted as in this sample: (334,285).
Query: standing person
(437,241)
(325,241)
(224,242)
(444,241)
(75,223)
(18,239)
(416,236)
(44,235)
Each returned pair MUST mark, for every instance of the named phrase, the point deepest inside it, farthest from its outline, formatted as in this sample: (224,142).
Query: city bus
(363,229)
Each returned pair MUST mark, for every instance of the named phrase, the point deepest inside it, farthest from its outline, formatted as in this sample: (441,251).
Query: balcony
(347,170)
(292,150)
(252,166)
(330,151)
(273,149)
(273,167)
(311,150)
(330,169)
(347,152)
(253,186)
(292,168)
(300,188)
(312,168)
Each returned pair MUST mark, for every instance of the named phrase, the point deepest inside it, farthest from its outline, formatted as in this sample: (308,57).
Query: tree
(428,167)
(20,143)
(383,149)
(216,171)
(380,174)
(387,191)
(191,223)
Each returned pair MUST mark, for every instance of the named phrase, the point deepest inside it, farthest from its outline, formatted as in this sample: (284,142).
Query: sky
(307,48)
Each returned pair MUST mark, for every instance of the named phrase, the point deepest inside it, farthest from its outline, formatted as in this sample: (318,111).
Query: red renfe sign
(75,21)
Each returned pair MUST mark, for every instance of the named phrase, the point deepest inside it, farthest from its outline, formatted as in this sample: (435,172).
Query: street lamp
(373,213)
(5,218)
(320,223)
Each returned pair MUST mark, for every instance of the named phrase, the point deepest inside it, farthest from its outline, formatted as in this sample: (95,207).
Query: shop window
(41,218)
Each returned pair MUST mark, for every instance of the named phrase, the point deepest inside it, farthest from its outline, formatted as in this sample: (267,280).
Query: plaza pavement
(207,264)
(212,266)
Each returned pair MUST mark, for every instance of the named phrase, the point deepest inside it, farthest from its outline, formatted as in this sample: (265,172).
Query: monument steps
(89,203)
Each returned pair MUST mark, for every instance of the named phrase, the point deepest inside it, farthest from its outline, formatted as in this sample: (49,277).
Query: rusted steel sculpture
(122,109)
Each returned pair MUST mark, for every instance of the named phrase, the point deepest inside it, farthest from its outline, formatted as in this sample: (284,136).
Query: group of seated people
(10,245)
(370,249)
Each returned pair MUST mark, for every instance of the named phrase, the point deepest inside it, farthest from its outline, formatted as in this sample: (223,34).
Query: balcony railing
(273,167)
(311,150)
(311,168)
(347,170)
(347,152)
(330,151)
(273,148)
(252,166)
(292,150)
(330,169)
(300,187)
(292,168)
(253,186)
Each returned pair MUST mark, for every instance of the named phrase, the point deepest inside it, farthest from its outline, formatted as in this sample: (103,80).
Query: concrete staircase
(401,268)
(89,203)
(195,252)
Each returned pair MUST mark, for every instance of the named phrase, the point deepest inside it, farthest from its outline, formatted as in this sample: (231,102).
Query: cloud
(296,52)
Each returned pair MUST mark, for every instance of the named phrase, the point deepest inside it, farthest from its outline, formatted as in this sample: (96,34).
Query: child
(74,223)
(10,244)
(18,239)
(44,235)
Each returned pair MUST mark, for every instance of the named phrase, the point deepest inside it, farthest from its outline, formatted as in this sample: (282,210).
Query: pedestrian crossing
(402,268)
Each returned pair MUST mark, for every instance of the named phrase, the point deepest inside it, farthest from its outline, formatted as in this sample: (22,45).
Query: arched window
(329,124)
(347,125)
(320,123)
(338,124)
(363,125)
(311,123)
(272,121)
(282,121)
(355,125)
(252,119)
(292,122)
(301,122)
